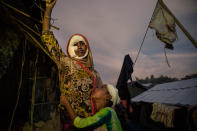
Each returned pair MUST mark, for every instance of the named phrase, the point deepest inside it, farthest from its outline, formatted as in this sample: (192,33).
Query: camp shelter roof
(183,92)
(147,85)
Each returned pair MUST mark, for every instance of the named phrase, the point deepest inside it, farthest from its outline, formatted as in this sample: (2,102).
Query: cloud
(115,28)
(178,56)
(181,65)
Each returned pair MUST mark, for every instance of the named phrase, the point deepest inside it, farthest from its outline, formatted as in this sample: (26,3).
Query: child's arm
(101,117)
(64,101)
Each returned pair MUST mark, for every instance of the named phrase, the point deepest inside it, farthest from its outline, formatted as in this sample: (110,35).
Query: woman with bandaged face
(77,75)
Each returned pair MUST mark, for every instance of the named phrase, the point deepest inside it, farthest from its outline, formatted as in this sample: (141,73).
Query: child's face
(102,97)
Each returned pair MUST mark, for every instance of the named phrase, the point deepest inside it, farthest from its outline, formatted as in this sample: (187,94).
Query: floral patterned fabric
(75,82)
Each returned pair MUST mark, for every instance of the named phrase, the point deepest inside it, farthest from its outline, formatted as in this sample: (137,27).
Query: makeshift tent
(28,77)
(169,106)
(135,88)
(182,93)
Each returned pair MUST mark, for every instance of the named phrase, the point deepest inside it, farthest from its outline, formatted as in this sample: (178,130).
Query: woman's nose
(79,45)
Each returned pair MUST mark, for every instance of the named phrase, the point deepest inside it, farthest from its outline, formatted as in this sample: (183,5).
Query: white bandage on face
(72,47)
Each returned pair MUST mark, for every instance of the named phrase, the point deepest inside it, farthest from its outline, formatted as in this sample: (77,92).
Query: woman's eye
(82,43)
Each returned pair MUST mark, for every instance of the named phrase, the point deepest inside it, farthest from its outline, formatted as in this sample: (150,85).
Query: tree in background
(163,79)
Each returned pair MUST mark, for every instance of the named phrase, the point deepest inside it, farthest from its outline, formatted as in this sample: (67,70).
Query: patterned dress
(76,78)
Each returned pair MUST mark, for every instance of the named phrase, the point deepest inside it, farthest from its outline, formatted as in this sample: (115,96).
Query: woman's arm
(48,38)
(64,101)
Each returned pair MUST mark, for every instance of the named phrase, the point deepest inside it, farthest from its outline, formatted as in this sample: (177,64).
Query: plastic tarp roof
(182,92)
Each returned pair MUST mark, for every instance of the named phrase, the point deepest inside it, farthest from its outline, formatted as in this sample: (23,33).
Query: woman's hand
(50,3)
(47,15)
(63,100)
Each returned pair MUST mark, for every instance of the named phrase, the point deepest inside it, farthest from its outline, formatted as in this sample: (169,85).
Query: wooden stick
(179,24)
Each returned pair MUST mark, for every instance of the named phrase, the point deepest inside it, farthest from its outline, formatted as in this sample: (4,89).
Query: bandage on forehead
(74,48)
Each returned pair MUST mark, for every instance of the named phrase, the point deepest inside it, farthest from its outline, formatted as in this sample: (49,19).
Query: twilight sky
(115,28)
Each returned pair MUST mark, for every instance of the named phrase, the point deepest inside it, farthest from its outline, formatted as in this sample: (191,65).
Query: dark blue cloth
(125,75)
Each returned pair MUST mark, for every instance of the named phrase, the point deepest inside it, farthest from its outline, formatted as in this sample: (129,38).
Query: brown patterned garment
(76,82)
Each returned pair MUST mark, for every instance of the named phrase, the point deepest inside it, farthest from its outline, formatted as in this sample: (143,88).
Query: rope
(141,46)
(144,36)
(166,57)
(20,83)
(164,47)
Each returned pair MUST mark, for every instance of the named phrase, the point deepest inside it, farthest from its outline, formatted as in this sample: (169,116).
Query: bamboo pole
(179,24)
(19,85)
(33,91)
(27,15)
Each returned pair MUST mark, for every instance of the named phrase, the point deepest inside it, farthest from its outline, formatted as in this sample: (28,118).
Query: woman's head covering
(114,93)
(87,59)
